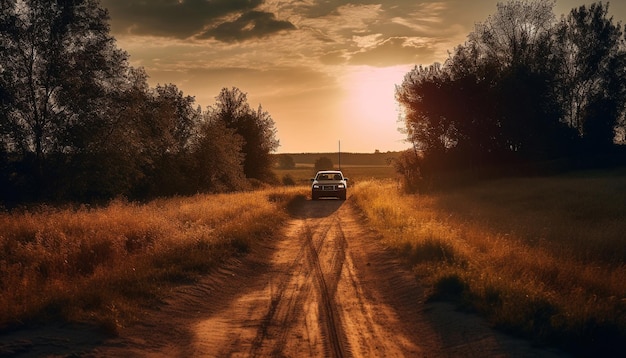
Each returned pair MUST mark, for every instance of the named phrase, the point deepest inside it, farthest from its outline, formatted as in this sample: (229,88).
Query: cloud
(253,24)
(393,51)
(183,19)
(322,8)
(378,33)
(292,56)
(333,58)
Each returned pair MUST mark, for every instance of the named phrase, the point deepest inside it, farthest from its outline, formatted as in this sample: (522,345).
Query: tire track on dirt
(327,287)
(295,286)
(284,302)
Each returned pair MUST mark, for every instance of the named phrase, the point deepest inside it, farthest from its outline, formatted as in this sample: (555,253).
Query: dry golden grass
(542,257)
(107,264)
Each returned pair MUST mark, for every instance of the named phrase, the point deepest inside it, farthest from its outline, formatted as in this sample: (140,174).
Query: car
(329,183)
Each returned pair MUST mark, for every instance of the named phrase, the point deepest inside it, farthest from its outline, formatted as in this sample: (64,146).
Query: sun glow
(370,109)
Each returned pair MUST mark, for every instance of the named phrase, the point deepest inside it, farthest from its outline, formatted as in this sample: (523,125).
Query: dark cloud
(387,19)
(188,18)
(252,24)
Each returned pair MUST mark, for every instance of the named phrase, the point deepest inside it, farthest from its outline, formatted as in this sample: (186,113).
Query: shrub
(288,180)
(324,163)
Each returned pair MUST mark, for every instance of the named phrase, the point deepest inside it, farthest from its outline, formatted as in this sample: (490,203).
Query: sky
(325,70)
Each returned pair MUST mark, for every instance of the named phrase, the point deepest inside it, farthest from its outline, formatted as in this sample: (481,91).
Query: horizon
(324,71)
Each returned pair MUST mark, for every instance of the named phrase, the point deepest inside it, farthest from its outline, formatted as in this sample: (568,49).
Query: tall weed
(541,257)
(108,264)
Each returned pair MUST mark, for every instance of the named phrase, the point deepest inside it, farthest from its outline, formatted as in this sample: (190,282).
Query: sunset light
(371,111)
(312,178)
(324,70)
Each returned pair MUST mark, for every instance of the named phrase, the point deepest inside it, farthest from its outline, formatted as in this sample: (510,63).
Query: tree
(592,84)
(517,34)
(431,123)
(506,95)
(419,94)
(217,163)
(286,161)
(324,163)
(529,115)
(167,124)
(177,117)
(109,154)
(78,122)
(57,63)
(255,127)
(408,165)
(517,46)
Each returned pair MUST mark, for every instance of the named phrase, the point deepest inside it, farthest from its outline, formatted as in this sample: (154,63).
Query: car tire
(343,196)
(314,196)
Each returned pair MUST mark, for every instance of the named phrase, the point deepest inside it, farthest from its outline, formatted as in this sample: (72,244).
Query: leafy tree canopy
(524,88)
(77,122)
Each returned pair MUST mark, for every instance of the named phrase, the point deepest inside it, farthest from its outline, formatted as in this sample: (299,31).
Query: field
(303,173)
(543,258)
(107,265)
(356,166)
(540,257)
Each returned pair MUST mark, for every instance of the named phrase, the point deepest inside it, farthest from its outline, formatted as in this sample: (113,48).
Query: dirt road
(327,289)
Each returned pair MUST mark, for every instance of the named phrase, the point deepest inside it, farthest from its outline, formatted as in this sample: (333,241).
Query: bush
(286,161)
(324,163)
(288,180)
(408,166)
(449,288)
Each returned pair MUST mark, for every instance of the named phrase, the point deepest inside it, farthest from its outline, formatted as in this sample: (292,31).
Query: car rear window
(329,176)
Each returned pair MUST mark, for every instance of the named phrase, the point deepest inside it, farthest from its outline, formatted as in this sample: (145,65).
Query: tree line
(526,92)
(78,123)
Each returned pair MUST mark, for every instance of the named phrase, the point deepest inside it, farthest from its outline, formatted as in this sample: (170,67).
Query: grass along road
(542,258)
(325,287)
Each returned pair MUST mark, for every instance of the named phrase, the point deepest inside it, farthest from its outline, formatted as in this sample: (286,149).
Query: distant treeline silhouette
(78,123)
(289,160)
(526,93)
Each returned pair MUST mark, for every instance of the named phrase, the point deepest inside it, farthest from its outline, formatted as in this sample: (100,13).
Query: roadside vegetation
(107,265)
(78,123)
(540,257)
(527,93)
(533,98)
(302,174)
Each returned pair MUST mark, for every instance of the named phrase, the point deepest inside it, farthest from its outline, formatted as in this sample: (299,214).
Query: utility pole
(340,155)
